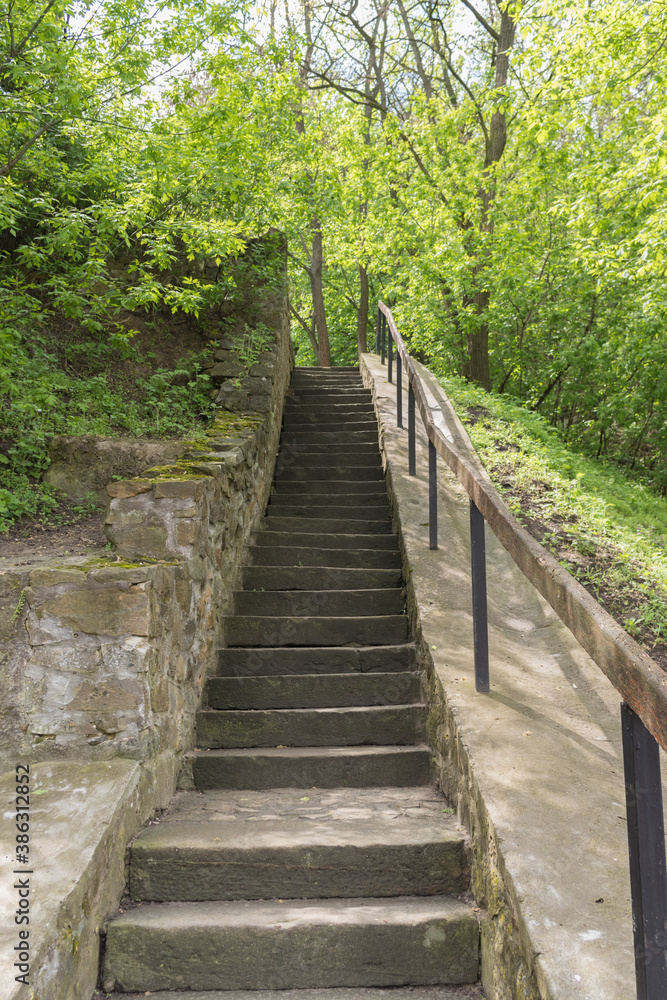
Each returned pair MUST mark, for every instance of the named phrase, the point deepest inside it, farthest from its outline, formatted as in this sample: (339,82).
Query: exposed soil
(65,533)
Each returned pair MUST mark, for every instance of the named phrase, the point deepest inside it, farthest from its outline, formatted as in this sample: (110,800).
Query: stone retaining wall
(105,657)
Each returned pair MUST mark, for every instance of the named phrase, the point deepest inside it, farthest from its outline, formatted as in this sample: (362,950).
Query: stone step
(377,498)
(367,449)
(336,395)
(299,383)
(326,525)
(358,993)
(366,630)
(321,603)
(304,555)
(331,405)
(289,858)
(360,474)
(268,944)
(326,372)
(326,375)
(339,425)
(307,436)
(379,725)
(317,390)
(324,540)
(330,487)
(319,659)
(319,578)
(318,460)
(313,690)
(335,413)
(350,402)
(330,512)
(310,767)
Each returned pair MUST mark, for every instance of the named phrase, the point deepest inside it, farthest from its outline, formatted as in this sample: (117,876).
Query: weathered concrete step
(334,396)
(309,767)
(359,512)
(368,630)
(330,487)
(267,944)
(297,859)
(327,525)
(304,555)
(318,578)
(296,473)
(307,436)
(364,450)
(305,383)
(318,659)
(357,405)
(334,425)
(314,690)
(335,413)
(322,603)
(330,404)
(376,498)
(313,447)
(341,459)
(358,993)
(378,725)
(315,390)
(308,375)
(326,372)
(324,540)
(301,381)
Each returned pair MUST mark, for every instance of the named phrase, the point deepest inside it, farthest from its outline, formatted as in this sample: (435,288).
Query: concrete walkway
(536,765)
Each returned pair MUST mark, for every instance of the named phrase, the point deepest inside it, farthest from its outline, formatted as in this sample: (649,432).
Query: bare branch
(24,149)
(33,28)
(482,20)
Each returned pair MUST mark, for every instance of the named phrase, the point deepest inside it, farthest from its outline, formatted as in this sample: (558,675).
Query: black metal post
(399,390)
(412,462)
(390,356)
(377,331)
(480,622)
(383,337)
(432,496)
(646,842)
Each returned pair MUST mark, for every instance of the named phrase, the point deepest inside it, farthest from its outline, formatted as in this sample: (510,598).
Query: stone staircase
(315,853)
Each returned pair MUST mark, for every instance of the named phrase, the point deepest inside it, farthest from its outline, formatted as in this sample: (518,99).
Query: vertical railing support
(646,842)
(390,356)
(377,331)
(412,460)
(399,390)
(383,337)
(432,496)
(480,624)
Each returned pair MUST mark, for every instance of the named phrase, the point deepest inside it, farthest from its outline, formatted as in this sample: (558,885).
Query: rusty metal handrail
(638,678)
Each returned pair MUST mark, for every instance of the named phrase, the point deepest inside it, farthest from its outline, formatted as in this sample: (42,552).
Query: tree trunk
(362,311)
(477,368)
(317,291)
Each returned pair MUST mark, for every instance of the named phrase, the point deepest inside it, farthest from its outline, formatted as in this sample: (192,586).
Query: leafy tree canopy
(496,171)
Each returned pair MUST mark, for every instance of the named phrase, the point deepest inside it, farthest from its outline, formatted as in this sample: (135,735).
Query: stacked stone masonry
(105,656)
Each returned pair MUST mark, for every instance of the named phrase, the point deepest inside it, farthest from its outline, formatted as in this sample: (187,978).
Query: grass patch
(609,531)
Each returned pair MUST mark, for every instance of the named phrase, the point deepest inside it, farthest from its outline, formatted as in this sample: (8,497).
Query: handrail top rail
(636,676)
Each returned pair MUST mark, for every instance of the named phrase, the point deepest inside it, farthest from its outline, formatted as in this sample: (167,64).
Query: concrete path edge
(84,815)
(535,767)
